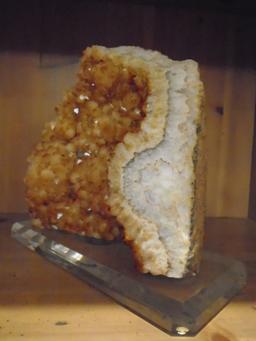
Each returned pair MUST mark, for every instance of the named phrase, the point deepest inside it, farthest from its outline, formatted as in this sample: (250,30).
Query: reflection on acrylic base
(177,306)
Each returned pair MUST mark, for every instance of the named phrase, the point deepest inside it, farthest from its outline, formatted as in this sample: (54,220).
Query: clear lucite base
(177,306)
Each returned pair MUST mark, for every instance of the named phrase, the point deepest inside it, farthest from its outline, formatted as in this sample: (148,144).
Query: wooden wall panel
(213,78)
(252,199)
(35,75)
(235,134)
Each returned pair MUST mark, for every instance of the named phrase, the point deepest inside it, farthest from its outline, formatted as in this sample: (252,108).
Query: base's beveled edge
(200,309)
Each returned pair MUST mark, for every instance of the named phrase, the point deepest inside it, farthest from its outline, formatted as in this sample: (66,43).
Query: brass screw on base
(182,330)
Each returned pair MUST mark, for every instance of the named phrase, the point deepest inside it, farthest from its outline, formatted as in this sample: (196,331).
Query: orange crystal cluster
(67,178)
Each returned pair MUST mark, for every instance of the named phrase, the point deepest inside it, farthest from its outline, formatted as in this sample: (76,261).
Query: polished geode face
(67,179)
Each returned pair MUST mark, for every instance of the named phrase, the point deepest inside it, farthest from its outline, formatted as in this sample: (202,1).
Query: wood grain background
(40,47)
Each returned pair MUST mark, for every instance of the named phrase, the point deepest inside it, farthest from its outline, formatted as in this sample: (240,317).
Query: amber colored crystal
(67,179)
